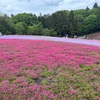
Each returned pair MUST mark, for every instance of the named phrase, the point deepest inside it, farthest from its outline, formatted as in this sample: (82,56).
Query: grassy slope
(94,36)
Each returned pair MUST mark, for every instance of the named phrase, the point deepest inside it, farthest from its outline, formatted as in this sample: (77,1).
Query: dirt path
(79,41)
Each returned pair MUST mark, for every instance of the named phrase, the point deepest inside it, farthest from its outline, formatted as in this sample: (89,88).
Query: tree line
(75,22)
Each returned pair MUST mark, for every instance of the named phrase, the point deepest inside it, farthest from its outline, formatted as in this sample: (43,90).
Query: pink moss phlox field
(27,65)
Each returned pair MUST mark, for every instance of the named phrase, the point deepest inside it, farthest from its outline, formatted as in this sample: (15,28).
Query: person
(0,34)
(75,36)
(86,37)
(66,35)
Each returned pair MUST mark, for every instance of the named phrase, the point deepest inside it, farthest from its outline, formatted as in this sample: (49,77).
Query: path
(79,41)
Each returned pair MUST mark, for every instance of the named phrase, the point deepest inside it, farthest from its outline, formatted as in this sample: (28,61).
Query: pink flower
(97,98)
(72,92)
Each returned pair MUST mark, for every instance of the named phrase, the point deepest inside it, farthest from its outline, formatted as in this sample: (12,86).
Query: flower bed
(45,70)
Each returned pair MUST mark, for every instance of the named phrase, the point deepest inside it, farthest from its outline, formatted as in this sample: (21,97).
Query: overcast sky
(43,6)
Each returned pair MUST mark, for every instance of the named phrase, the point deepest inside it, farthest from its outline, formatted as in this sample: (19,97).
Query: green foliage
(95,5)
(87,8)
(6,25)
(98,19)
(30,80)
(59,22)
(44,82)
(46,32)
(12,78)
(47,73)
(2,79)
(38,29)
(28,18)
(72,24)
(53,32)
(90,23)
(77,22)
(82,81)
(49,32)
(30,30)
(20,28)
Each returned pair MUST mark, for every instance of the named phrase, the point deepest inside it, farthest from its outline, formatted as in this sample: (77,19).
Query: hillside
(94,36)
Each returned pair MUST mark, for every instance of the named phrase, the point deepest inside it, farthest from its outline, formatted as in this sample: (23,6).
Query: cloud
(43,6)
(24,0)
(77,4)
(52,2)
(9,8)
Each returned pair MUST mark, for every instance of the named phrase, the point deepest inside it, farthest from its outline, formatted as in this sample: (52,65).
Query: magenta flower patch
(46,70)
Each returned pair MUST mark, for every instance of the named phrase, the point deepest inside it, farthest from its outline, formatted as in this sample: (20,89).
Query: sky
(43,6)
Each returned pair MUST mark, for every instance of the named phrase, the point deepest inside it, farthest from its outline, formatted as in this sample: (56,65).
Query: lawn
(47,70)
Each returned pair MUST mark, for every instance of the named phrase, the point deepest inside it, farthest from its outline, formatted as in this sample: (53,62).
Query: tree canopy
(75,22)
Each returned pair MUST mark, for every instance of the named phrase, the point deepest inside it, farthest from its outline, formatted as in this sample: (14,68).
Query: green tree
(98,19)
(6,25)
(95,5)
(38,29)
(87,8)
(28,18)
(42,19)
(90,23)
(49,32)
(25,28)
(20,28)
(72,24)
(46,32)
(30,30)
(76,22)
(60,20)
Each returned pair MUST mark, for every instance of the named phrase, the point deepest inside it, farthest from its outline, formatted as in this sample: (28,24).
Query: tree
(28,18)
(90,23)
(46,32)
(98,19)
(20,28)
(59,22)
(87,8)
(6,25)
(30,30)
(25,28)
(49,32)
(42,19)
(72,24)
(38,29)
(95,5)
